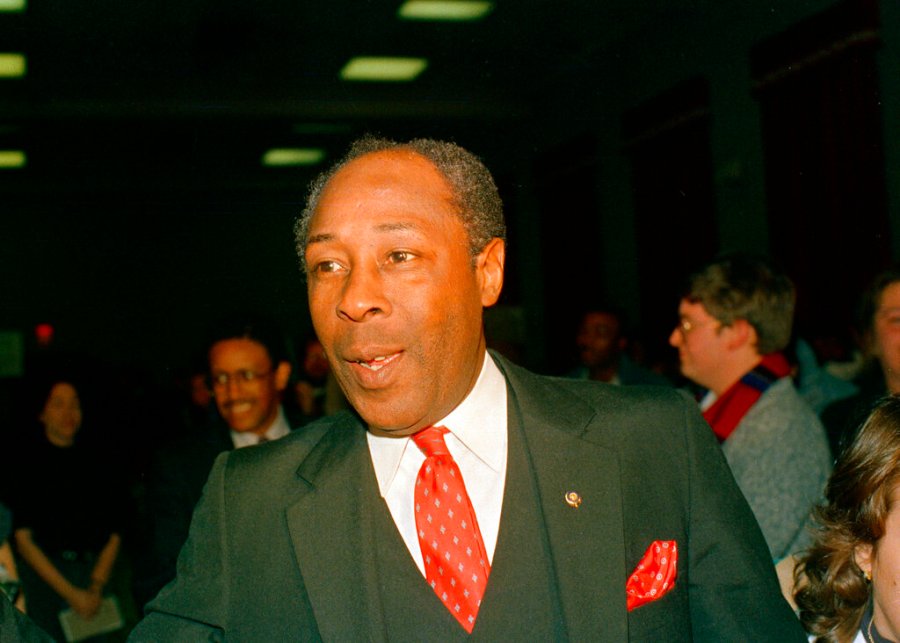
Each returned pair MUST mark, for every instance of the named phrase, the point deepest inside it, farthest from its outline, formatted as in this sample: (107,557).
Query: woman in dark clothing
(66,530)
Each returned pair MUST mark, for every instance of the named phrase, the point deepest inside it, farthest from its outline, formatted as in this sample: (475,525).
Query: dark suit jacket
(174,483)
(279,551)
(15,627)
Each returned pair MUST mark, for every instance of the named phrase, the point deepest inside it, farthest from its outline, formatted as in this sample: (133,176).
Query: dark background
(631,140)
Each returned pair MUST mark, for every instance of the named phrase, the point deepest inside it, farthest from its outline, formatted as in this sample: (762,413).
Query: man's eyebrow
(399,226)
(320,238)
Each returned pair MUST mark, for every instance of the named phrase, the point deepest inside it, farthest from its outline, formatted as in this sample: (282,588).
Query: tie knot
(431,441)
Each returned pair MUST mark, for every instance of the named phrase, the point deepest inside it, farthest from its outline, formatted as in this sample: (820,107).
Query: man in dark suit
(566,486)
(248,371)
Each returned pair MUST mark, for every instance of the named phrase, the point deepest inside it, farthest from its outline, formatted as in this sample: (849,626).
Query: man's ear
(741,333)
(862,555)
(489,266)
(282,375)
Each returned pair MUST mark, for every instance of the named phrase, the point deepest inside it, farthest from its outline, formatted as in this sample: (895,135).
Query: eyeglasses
(686,325)
(243,376)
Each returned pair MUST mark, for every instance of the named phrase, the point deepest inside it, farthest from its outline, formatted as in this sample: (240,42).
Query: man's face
(700,344)
(887,335)
(246,385)
(394,294)
(599,342)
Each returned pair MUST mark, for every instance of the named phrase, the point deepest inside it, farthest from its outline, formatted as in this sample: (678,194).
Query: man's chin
(402,432)
(243,428)
(384,420)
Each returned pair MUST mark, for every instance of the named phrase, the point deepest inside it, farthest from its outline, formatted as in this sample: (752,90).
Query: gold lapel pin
(573,499)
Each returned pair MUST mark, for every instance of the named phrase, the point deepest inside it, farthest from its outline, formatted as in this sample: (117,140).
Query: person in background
(198,410)
(879,323)
(66,515)
(848,582)
(816,385)
(9,576)
(602,343)
(311,388)
(249,371)
(735,319)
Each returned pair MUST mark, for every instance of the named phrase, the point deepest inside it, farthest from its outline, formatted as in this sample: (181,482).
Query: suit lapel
(337,494)
(587,543)
(328,523)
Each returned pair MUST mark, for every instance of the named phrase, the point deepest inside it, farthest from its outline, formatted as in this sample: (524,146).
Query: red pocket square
(654,575)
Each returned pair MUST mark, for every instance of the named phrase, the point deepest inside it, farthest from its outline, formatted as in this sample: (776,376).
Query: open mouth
(377,363)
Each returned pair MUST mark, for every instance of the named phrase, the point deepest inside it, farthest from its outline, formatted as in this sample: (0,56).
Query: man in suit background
(249,369)
(570,483)
(603,342)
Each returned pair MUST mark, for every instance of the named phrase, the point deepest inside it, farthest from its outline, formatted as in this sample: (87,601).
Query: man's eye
(400,256)
(326,267)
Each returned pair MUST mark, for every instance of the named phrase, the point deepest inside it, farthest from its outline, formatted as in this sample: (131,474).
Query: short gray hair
(474,191)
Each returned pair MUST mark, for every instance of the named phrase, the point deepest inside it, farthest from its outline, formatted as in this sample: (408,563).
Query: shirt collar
(278,429)
(478,422)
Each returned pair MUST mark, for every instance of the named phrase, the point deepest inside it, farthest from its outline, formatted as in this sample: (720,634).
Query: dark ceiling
(188,94)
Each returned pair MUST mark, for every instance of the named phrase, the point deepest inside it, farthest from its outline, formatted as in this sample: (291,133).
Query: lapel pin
(573,499)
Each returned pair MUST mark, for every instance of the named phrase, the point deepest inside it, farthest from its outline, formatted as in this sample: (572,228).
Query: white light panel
(372,68)
(286,156)
(12,65)
(447,10)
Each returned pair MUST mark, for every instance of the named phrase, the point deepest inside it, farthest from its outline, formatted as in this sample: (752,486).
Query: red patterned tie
(456,563)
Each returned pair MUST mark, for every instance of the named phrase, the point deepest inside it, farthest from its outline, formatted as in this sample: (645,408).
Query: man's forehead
(689,308)
(396,177)
(383,161)
(238,346)
(601,317)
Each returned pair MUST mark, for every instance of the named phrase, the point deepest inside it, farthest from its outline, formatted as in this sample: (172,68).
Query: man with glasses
(735,319)
(248,371)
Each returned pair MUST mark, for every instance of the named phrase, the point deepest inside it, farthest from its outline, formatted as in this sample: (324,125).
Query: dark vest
(521,601)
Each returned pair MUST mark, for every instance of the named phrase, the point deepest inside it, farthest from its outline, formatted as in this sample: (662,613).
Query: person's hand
(85,602)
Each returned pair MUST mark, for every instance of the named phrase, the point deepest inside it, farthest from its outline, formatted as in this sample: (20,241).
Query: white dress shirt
(477,441)
(278,429)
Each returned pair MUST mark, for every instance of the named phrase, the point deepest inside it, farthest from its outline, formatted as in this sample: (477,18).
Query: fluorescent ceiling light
(11,159)
(12,65)
(286,156)
(444,10)
(12,5)
(384,68)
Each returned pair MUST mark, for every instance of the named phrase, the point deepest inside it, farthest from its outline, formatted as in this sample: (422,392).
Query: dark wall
(136,278)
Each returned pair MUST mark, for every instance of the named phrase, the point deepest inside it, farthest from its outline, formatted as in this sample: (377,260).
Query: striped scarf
(729,409)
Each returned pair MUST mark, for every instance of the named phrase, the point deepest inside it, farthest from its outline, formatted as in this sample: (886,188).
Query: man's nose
(363,295)
(232,387)
(675,338)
